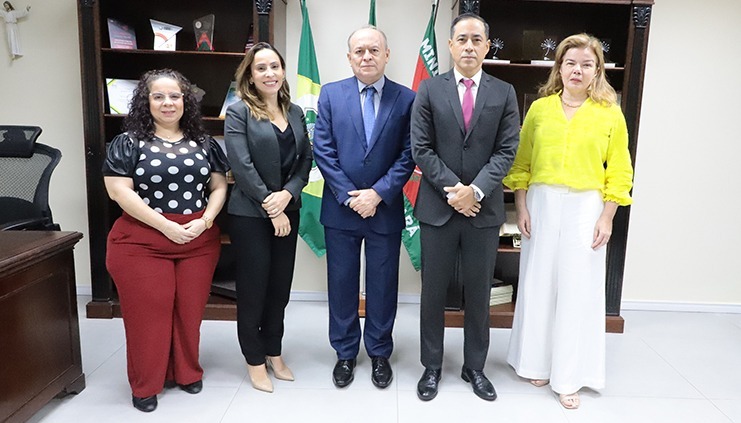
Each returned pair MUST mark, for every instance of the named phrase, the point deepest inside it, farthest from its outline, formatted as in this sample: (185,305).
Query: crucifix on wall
(11,17)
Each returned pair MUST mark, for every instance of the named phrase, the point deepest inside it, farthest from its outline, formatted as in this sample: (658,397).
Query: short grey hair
(368,26)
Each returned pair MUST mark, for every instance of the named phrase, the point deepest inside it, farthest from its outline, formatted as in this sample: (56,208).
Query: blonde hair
(600,91)
(247,91)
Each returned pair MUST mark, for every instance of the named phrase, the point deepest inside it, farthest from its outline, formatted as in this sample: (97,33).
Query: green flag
(372,13)
(307,94)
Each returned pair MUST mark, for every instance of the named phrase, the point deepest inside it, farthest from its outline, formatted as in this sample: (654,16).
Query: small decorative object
(203,28)
(164,35)
(496,45)
(198,92)
(121,35)
(606,53)
(11,17)
(250,39)
(548,45)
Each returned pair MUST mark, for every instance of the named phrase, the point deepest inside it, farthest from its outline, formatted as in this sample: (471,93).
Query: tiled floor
(666,367)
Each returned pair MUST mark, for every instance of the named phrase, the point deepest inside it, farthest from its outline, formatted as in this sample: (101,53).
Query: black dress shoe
(342,375)
(381,374)
(481,385)
(427,386)
(147,404)
(192,388)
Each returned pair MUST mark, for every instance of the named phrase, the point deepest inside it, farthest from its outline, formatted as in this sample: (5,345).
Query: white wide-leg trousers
(558,332)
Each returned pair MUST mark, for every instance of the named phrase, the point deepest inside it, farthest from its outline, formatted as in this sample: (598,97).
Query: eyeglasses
(160,97)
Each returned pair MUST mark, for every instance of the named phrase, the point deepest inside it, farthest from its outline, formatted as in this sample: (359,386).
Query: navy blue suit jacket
(347,165)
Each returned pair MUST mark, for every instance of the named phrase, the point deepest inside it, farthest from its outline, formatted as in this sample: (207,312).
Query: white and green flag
(307,94)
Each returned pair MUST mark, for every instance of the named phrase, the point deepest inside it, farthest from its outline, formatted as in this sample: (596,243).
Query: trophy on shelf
(548,45)
(203,28)
(495,45)
(606,53)
(164,35)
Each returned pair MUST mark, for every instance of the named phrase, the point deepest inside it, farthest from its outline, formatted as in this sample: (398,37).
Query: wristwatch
(477,194)
(208,220)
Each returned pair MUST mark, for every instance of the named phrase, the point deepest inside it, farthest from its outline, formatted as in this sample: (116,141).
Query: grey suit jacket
(447,154)
(253,152)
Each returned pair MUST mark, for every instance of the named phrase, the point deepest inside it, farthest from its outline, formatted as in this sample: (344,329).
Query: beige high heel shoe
(259,378)
(279,368)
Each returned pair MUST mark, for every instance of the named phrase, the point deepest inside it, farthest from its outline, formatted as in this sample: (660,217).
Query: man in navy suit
(362,147)
(465,132)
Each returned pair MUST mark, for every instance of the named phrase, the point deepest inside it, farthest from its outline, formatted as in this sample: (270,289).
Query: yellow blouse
(557,151)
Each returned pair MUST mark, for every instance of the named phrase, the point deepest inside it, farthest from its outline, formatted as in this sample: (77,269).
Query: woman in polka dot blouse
(269,150)
(168,176)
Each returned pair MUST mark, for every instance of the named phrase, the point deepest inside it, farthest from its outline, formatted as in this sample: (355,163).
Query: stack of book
(500,293)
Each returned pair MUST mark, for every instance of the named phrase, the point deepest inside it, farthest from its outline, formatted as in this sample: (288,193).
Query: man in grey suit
(465,131)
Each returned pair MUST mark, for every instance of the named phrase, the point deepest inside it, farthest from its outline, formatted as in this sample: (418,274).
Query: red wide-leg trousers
(163,288)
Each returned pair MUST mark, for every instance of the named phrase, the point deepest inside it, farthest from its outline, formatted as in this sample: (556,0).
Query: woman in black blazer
(268,147)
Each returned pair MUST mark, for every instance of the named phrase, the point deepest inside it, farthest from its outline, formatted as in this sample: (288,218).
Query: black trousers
(264,275)
(440,247)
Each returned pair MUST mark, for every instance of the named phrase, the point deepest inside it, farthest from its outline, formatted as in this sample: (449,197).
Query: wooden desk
(39,331)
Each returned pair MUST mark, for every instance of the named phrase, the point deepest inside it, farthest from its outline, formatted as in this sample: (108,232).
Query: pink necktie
(467,102)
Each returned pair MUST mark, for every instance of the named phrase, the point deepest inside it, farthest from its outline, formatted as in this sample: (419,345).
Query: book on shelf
(509,227)
(500,293)
(121,35)
(231,98)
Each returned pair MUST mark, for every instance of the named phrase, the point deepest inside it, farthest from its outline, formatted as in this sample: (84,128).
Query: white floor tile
(695,326)
(731,408)
(644,410)
(634,369)
(312,405)
(667,367)
(710,365)
(466,407)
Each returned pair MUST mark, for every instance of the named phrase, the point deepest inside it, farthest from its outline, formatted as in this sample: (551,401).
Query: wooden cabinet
(40,354)
(519,23)
(236,22)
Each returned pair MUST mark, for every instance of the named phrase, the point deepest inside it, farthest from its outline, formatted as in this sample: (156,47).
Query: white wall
(42,88)
(684,229)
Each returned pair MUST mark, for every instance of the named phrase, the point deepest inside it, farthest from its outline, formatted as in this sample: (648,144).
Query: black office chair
(25,172)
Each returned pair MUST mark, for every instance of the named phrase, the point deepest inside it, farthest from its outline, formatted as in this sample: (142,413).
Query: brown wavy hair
(139,122)
(600,91)
(247,91)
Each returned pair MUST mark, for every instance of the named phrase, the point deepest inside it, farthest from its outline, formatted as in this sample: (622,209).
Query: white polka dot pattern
(170,177)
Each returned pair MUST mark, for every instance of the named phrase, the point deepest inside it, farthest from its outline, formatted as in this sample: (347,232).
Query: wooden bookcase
(625,23)
(235,23)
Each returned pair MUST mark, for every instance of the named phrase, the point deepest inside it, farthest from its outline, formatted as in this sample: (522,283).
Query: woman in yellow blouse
(571,172)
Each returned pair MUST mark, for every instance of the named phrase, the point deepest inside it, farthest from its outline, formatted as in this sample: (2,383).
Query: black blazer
(253,152)
(447,154)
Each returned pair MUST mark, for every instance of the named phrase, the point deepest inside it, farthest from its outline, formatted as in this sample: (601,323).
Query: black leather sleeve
(122,157)
(216,157)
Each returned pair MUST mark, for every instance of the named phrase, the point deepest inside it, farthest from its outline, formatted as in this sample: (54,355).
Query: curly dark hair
(139,122)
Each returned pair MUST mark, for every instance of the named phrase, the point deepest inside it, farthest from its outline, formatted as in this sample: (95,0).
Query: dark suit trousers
(264,275)
(343,286)
(440,247)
